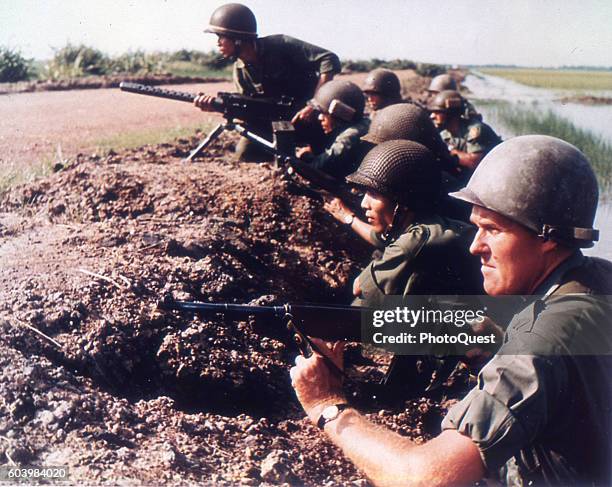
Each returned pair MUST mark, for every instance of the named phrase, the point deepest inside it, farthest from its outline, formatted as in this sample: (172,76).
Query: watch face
(348,219)
(330,412)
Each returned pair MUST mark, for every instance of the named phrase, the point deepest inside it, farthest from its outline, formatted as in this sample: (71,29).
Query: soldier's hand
(204,102)
(479,355)
(304,115)
(336,208)
(316,384)
(356,287)
(302,151)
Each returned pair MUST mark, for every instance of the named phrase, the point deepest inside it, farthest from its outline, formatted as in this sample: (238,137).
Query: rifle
(327,322)
(233,107)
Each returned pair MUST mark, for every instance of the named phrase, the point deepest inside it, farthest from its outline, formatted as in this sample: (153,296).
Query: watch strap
(323,419)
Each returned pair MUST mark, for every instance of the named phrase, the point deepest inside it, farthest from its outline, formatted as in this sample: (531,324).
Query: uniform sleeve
(480,138)
(326,61)
(510,406)
(343,145)
(391,273)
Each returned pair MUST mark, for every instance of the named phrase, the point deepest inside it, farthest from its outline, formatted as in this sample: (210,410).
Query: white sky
(525,32)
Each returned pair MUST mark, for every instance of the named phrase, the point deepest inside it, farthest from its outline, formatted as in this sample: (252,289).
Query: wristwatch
(330,413)
(348,219)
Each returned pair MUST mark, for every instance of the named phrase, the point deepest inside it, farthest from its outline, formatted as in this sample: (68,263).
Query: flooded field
(489,92)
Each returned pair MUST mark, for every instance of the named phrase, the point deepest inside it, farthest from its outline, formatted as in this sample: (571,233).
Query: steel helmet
(233,20)
(442,82)
(403,171)
(342,99)
(448,101)
(541,182)
(383,81)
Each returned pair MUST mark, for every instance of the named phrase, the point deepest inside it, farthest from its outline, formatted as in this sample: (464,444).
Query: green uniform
(430,257)
(474,136)
(288,67)
(542,406)
(343,153)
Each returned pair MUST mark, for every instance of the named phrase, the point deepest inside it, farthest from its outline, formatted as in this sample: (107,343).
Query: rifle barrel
(164,93)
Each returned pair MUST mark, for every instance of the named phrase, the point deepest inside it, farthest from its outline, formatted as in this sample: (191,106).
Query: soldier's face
(512,257)
(227,46)
(438,118)
(378,210)
(327,122)
(375,100)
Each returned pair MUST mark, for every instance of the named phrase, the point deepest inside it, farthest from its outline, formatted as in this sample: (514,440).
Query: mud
(95,377)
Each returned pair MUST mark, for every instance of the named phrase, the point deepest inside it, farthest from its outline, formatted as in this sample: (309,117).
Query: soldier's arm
(341,212)
(468,160)
(326,62)
(384,456)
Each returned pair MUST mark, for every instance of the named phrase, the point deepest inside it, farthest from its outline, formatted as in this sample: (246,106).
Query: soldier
(444,82)
(272,66)
(468,139)
(382,88)
(340,106)
(422,251)
(406,121)
(542,404)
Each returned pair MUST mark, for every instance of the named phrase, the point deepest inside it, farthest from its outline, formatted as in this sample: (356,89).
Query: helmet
(541,182)
(442,82)
(339,98)
(403,171)
(384,82)
(233,20)
(448,101)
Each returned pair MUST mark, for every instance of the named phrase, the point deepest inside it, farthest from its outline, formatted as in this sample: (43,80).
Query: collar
(553,281)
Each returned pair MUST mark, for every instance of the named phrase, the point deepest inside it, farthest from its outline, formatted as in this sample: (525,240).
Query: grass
(134,139)
(523,119)
(15,174)
(556,79)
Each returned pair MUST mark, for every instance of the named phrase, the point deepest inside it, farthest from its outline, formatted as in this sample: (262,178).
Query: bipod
(219,129)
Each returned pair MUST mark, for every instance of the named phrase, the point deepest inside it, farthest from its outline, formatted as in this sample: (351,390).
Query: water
(597,119)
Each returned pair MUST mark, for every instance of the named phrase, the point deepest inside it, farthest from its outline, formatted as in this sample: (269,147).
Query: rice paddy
(556,79)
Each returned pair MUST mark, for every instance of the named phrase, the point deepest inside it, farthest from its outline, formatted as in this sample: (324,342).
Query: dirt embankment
(94,377)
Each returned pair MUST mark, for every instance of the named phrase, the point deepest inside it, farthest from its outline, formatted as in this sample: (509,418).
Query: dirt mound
(95,377)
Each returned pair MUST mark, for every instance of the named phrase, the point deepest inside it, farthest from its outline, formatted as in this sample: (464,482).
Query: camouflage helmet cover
(442,82)
(341,99)
(233,20)
(541,182)
(384,82)
(401,170)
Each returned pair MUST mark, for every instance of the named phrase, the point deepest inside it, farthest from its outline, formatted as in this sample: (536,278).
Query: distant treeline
(563,68)
(74,61)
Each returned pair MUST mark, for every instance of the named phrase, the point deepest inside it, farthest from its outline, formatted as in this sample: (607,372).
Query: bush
(363,66)
(74,61)
(13,66)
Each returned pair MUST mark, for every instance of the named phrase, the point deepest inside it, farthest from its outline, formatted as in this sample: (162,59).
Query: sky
(523,32)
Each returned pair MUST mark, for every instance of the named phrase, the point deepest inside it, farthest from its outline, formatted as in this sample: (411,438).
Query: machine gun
(302,321)
(233,106)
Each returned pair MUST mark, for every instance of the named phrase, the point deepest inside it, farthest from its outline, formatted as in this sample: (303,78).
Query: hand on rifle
(316,384)
(336,208)
(204,102)
(300,152)
(304,115)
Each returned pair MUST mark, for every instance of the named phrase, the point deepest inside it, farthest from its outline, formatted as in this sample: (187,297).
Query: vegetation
(13,66)
(424,69)
(74,61)
(577,79)
(521,119)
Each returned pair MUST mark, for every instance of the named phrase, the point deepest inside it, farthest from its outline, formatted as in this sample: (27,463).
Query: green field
(555,79)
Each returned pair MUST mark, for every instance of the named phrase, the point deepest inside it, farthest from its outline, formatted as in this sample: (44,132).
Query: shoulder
(477,130)
(354,131)
(442,230)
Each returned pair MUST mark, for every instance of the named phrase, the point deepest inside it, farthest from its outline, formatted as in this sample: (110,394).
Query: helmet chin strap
(394,229)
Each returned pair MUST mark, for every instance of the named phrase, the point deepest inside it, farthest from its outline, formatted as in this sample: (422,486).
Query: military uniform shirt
(545,397)
(288,67)
(341,155)
(430,257)
(474,136)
